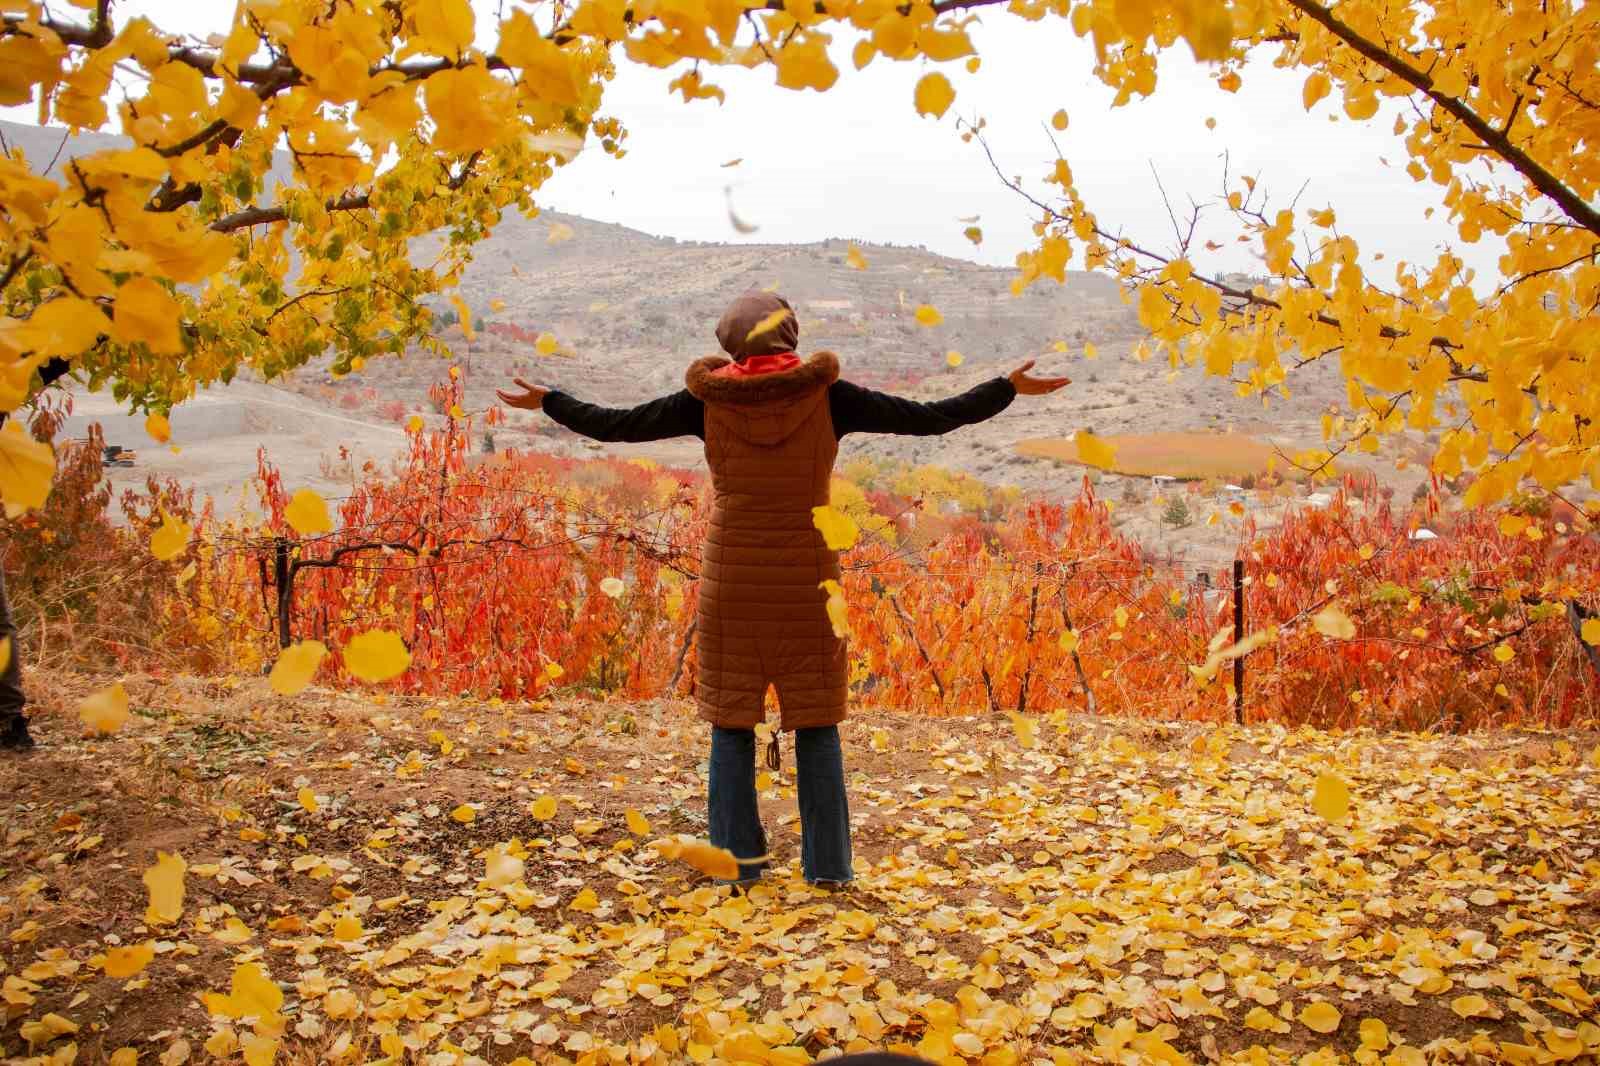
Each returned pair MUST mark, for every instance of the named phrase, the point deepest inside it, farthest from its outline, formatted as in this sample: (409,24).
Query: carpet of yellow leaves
(1075,890)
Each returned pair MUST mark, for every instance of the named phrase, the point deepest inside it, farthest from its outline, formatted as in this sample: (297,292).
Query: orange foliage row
(492,571)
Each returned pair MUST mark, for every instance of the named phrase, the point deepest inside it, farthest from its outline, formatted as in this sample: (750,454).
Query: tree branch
(1547,183)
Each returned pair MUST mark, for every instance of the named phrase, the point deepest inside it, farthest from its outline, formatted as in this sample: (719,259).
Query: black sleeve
(859,410)
(677,415)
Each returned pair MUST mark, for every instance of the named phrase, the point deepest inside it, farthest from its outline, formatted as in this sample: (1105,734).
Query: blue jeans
(735,819)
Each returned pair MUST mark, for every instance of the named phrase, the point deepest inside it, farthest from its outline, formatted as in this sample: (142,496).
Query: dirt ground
(375,879)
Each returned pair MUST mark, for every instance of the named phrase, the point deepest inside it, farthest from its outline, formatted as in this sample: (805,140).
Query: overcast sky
(858,162)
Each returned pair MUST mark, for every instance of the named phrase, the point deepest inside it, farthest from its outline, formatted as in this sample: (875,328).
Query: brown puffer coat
(762,621)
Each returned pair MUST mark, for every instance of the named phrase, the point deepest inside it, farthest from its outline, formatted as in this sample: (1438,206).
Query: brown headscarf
(745,314)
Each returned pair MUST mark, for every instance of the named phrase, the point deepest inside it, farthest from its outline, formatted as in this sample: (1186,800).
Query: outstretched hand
(531,398)
(1029,385)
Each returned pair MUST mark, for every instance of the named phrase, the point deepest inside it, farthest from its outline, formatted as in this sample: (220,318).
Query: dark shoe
(16,737)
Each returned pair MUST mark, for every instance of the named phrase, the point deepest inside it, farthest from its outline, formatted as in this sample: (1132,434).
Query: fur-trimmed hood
(768,407)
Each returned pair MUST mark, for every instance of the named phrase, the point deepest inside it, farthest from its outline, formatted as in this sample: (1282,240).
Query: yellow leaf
(259,1050)
(839,530)
(1374,1034)
(1068,641)
(1591,632)
(464,316)
(1094,451)
(296,666)
(464,814)
(546,344)
(165,882)
(1365,551)
(414,424)
(554,671)
(27,467)
(838,613)
(768,323)
(1320,1017)
(126,961)
(501,868)
(234,931)
(717,862)
(1059,120)
(308,800)
(66,326)
(1027,730)
(251,995)
(376,655)
(1469,1006)
(1334,623)
(585,902)
(347,928)
(1091,352)
(171,539)
(146,313)
(928,315)
(613,587)
(543,809)
(1331,797)
(445,27)
(1503,654)
(933,95)
(880,740)
(105,711)
(638,824)
(1315,88)
(497,305)
(158,427)
(954,358)
(855,258)
(307,513)
(559,231)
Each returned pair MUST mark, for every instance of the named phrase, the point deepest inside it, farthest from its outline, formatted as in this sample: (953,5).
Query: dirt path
(1118,891)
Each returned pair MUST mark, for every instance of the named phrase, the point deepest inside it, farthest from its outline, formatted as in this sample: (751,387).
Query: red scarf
(756,365)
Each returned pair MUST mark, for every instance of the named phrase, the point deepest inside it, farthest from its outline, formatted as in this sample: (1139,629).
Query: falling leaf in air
(414,424)
(465,315)
(739,224)
(973,234)
(1026,728)
(307,513)
(839,530)
(954,358)
(855,258)
(715,861)
(1059,120)
(497,305)
(733,162)
(171,539)
(559,231)
(546,344)
(158,427)
(296,666)
(165,882)
(598,305)
(768,323)
(544,808)
(105,711)
(838,616)
(638,824)
(466,813)
(376,655)
(1334,623)
(1591,632)
(1090,351)
(1331,797)
(934,94)
(1094,451)
(5,653)
(554,671)
(928,315)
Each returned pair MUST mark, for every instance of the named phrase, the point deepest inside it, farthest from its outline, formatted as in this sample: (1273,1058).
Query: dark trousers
(735,818)
(11,697)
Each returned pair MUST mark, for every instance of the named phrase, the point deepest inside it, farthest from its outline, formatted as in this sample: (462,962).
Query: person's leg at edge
(13,723)
(733,817)
(824,808)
